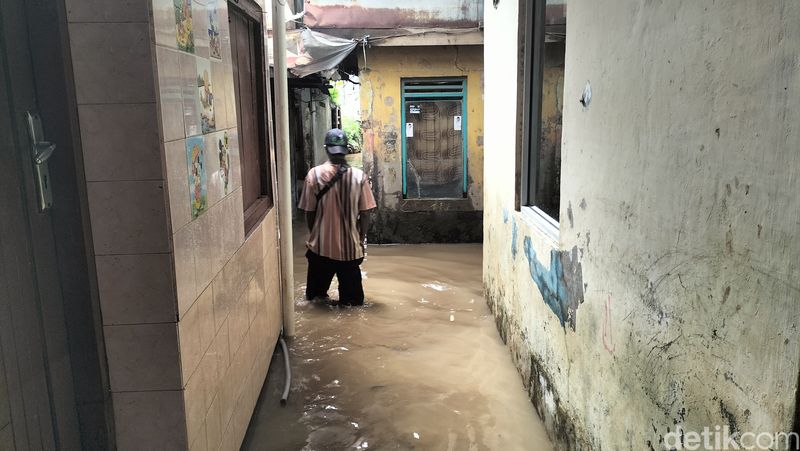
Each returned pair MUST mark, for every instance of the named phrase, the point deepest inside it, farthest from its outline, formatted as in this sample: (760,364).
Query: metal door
(37,395)
(434,139)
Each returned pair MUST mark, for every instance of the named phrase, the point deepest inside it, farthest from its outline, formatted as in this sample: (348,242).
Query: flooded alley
(420,366)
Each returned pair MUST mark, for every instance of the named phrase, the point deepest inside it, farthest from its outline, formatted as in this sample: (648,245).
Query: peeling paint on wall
(514,238)
(419,220)
(561,285)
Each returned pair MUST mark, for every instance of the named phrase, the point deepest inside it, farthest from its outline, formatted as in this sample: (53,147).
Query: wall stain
(561,286)
(514,238)
(569,216)
(389,139)
(505,216)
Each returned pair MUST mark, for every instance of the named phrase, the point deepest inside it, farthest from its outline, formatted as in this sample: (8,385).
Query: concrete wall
(675,273)
(414,220)
(315,108)
(190,304)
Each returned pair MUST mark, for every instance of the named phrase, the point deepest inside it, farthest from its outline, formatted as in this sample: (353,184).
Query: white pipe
(283,161)
(287,383)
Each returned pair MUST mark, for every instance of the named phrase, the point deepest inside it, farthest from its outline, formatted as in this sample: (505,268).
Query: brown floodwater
(420,366)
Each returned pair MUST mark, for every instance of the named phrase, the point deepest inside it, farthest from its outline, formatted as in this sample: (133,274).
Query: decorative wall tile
(111,207)
(149,420)
(143,357)
(112,62)
(214,29)
(236,163)
(205,93)
(196,160)
(120,142)
(170,93)
(185,25)
(217,166)
(136,288)
(189,92)
(180,206)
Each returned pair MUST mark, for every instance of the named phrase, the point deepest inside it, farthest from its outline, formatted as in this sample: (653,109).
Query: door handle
(41,151)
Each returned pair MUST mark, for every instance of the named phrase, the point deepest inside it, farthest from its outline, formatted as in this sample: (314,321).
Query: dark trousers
(320,274)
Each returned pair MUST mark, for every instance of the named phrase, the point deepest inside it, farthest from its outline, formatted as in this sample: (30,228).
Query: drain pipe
(288,380)
(283,164)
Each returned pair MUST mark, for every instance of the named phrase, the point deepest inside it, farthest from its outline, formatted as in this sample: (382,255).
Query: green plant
(334,93)
(352,128)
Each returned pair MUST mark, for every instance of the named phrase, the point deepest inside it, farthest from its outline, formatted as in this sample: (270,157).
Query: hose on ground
(288,382)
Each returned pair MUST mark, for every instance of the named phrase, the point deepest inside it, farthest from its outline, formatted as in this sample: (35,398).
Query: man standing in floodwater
(336,199)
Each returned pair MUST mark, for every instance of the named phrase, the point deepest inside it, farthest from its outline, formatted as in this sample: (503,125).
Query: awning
(309,51)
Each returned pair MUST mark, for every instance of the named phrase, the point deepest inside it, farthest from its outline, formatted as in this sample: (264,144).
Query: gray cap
(336,142)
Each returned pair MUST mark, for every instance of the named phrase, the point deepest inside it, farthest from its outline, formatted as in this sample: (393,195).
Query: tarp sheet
(309,51)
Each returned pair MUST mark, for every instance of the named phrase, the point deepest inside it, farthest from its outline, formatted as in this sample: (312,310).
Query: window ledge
(543,222)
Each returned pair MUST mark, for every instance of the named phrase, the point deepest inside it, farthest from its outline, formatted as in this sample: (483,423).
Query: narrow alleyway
(421,366)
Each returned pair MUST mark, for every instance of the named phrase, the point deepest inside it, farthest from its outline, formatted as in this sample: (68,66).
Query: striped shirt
(335,231)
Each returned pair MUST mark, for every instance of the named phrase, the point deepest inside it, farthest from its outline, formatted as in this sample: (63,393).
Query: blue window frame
(434,138)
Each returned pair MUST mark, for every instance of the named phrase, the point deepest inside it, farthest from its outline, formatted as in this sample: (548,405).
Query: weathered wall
(412,220)
(374,14)
(315,108)
(671,294)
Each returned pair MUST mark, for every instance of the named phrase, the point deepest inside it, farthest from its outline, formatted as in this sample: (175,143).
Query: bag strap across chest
(338,176)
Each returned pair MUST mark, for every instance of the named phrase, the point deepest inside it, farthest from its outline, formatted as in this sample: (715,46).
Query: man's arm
(310,216)
(363,225)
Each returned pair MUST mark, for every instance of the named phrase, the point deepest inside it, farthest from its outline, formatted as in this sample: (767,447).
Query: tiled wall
(190,306)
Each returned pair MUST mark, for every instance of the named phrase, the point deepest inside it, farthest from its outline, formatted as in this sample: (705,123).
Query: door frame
(412,90)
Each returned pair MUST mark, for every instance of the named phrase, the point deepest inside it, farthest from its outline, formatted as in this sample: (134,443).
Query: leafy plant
(335,93)
(352,128)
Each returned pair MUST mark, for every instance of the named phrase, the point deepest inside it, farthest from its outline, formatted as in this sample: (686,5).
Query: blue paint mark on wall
(561,285)
(505,216)
(514,238)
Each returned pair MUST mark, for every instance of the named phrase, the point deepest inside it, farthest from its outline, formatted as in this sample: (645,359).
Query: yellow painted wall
(381,111)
